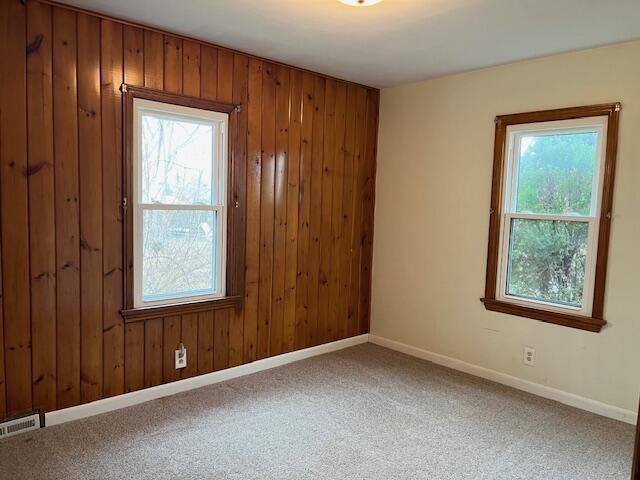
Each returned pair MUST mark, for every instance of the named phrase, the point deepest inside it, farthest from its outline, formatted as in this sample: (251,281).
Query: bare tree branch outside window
(178,244)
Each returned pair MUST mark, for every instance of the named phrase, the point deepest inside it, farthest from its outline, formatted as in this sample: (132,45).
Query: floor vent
(19,425)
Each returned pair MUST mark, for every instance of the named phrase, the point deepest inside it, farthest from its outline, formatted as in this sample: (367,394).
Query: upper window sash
(217,121)
(515,133)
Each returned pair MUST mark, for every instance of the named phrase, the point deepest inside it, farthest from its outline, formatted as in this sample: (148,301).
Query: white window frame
(514,134)
(220,122)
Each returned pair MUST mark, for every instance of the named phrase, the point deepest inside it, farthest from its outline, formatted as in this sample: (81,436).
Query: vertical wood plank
(367,209)
(280,210)
(153,54)
(224,91)
(209,72)
(315,220)
(113,324)
(153,352)
(254,165)
(65,121)
(302,264)
(356,223)
(90,156)
(221,339)
(14,199)
(326,244)
(133,55)
(135,342)
(172,64)
(240,93)
(191,68)
(336,209)
(266,207)
(170,341)
(347,211)
(225,76)
(205,342)
(41,205)
(189,338)
(134,357)
(293,190)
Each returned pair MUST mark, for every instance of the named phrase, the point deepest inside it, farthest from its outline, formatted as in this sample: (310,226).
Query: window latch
(125,204)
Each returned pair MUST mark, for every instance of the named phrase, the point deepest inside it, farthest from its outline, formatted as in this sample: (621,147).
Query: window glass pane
(547,260)
(176,160)
(179,253)
(555,173)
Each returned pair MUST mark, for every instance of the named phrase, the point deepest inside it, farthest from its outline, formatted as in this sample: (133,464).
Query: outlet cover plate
(181,358)
(529,356)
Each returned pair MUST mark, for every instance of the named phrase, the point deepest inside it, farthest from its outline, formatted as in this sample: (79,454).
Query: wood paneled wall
(308,143)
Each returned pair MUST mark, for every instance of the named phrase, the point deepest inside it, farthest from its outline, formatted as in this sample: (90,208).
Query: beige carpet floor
(361,413)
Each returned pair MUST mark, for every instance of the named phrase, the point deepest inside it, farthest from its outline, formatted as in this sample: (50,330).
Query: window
(179,210)
(550,214)
(179,206)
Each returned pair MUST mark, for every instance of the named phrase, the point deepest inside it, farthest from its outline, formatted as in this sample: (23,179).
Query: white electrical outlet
(529,356)
(181,357)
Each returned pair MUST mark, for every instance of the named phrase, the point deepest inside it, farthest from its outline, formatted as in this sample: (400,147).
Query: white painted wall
(432,213)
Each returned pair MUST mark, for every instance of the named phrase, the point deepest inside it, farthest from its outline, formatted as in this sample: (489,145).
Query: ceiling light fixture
(360,3)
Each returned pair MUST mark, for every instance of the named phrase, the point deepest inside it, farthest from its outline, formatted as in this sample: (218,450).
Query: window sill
(147,313)
(589,324)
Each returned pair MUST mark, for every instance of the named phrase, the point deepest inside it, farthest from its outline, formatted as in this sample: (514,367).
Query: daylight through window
(551,207)
(179,203)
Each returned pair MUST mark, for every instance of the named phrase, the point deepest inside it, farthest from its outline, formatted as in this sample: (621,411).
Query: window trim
(492,299)
(235,199)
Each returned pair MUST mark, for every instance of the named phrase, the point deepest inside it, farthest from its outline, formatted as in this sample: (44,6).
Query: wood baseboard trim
(140,396)
(573,400)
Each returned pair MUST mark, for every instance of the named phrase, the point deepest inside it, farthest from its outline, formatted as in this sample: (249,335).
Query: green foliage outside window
(547,257)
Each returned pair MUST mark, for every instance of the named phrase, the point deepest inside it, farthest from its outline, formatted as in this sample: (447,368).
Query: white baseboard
(544,391)
(151,393)
(147,394)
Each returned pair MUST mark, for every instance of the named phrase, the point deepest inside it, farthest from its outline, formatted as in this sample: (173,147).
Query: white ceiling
(394,42)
